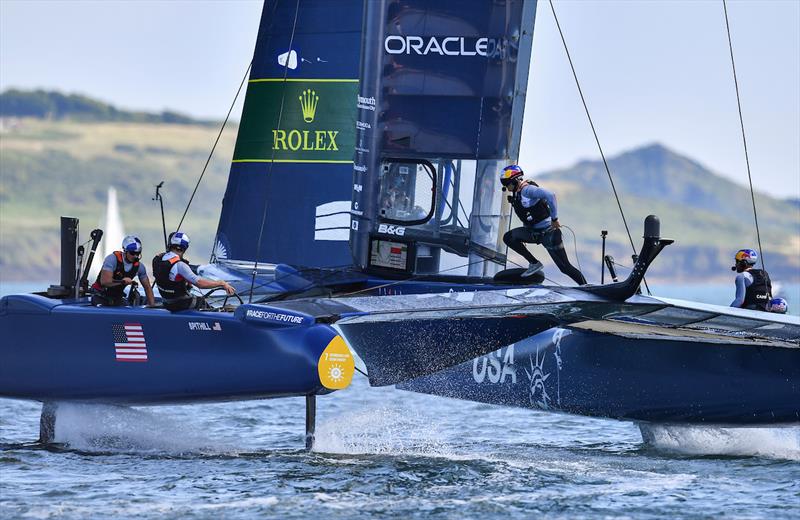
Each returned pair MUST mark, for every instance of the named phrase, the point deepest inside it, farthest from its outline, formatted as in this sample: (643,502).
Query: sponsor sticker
(275,317)
(390,229)
(336,365)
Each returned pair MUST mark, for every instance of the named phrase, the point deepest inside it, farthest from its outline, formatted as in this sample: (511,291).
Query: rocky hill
(709,216)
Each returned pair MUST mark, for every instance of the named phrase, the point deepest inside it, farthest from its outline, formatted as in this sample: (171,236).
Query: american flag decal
(129,342)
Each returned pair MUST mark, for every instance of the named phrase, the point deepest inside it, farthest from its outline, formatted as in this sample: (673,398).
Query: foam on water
(106,428)
(380,431)
(777,443)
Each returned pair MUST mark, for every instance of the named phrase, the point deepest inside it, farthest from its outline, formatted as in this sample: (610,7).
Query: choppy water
(383,452)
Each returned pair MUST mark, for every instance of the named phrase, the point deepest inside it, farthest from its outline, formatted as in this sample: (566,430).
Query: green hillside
(50,168)
(48,104)
(54,168)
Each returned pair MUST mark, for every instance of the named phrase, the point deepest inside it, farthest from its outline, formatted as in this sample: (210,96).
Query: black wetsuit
(535,212)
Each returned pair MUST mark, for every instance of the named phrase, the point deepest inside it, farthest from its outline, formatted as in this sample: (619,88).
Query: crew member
(753,287)
(118,271)
(537,209)
(174,277)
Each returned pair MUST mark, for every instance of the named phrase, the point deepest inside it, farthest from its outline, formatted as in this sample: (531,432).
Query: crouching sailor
(118,271)
(753,286)
(174,277)
(536,208)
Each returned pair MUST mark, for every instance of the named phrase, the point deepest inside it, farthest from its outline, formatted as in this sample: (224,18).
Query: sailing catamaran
(363,205)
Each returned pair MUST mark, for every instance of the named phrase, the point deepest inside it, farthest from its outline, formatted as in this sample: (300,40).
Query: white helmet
(179,239)
(131,244)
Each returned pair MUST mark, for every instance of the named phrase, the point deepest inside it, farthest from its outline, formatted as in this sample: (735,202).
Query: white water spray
(379,431)
(107,428)
(777,443)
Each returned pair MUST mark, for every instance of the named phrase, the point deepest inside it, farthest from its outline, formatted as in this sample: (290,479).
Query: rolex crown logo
(308,102)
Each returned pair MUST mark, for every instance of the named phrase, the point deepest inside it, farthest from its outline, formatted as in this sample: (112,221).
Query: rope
(744,138)
(594,132)
(215,146)
(272,158)
(575,246)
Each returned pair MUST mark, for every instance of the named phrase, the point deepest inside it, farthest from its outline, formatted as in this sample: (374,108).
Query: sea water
(381,452)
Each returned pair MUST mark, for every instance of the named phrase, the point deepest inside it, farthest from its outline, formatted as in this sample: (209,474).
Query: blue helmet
(179,239)
(131,244)
(778,305)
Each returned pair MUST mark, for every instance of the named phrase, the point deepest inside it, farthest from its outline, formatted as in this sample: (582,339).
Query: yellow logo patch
(336,365)
(308,102)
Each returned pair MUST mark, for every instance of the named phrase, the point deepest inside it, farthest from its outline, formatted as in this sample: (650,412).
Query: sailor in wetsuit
(753,286)
(536,208)
(174,277)
(118,271)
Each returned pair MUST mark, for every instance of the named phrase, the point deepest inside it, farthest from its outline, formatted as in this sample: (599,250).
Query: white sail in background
(113,233)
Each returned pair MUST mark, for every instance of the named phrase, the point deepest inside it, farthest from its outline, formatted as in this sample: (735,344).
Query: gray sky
(651,71)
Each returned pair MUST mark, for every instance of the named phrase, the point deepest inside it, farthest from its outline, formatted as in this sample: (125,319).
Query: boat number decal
(496,367)
(336,365)
(202,325)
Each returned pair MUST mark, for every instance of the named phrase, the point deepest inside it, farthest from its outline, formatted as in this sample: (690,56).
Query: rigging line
(272,161)
(211,154)
(594,132)
(213,257)
(744,139)
(575,246)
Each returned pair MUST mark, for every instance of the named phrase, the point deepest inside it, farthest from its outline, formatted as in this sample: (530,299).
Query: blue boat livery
(364,211)
(63,350)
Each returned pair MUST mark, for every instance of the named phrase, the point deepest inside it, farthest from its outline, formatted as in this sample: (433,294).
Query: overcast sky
(651,71)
